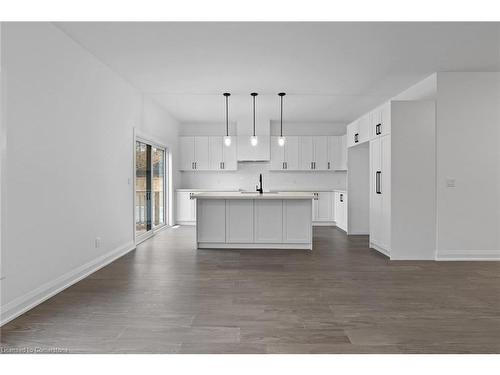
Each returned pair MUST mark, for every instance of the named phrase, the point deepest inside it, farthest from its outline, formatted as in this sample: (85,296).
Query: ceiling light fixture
(253,138)
(281,139)
(227,138)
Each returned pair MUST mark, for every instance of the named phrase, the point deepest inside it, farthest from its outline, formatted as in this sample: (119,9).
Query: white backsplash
(247,177)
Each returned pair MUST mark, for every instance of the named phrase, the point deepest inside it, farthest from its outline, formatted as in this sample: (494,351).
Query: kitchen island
(252,220)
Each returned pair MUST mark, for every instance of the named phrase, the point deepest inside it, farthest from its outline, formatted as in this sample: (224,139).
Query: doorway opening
(151,188)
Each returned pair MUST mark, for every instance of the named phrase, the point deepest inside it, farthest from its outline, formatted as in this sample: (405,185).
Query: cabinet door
(201,153)
(277,155)
(215,156)
(385,188)
(230,156)
(315,207)
(184,211)
(211,223)
(385,118)
(333,152)
(292,160)
(324,203)
(352,130)
(364,129)
(341,210)
(239,221)
(375,197)
(306,153)
(268,221)
(297,219)
(343,207)
(186,146)
(336,208)
(375,118)
(320,145)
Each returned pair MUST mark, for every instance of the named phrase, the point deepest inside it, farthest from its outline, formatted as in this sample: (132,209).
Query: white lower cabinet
(296,216)
(239,223)
(211,215)
(340,209)
(268,217)
(322,208)
(185,208)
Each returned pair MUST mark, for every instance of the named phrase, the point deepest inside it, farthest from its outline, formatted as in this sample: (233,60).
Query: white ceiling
(333,72)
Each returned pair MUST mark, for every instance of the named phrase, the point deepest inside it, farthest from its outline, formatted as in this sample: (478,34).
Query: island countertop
(254,195)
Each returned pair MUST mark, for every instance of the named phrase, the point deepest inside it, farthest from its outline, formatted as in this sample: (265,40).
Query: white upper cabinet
(321,153)
(203,153)
(337,153)
(277,155)
(230,156)
(380,121)
(292,154)
(215,155)
(358,131)
(314,153)
(186,147)
(320,144)
(221,157)
(306,153)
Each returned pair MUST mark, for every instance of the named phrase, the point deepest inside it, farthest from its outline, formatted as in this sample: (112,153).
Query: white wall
(70,123)
(413,172)
(422,90)
(468,151)
(247,175)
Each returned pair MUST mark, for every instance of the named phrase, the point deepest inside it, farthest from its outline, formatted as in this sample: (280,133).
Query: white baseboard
(31,299)
(250,246)
(180,222)
(380,249)
(468,255)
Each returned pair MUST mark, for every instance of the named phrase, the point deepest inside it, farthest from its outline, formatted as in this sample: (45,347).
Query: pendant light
(281,139)
(227,138)
(253,138)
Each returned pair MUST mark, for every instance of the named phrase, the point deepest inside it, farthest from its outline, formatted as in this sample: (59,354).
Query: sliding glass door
(150,188)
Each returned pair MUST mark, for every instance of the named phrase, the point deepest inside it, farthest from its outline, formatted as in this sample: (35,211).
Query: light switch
(450,182)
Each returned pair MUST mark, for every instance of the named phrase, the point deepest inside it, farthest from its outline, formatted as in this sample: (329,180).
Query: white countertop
(254,195)
(206,190)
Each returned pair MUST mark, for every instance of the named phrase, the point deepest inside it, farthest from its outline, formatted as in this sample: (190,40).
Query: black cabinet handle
(286,165)
(378,189)
(378,128)
(356,138)
(328,165)
(341,197)
(223,165)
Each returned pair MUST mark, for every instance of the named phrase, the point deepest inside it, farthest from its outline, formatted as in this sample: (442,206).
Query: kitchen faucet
(260,189)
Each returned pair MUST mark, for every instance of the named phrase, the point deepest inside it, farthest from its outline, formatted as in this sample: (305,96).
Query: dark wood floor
(342,297)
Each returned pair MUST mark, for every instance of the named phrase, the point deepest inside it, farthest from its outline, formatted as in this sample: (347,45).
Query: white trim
(323,223)
(380,249)
(468,255)
(182,222)
(220,245)
(31,299)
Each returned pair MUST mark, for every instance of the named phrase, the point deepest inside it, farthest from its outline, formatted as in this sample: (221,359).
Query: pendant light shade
(227,138)
(281,139)
(253,138)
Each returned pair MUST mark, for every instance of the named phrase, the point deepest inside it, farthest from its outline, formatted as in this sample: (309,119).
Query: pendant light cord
(281,95)
(254,94)
(226,94)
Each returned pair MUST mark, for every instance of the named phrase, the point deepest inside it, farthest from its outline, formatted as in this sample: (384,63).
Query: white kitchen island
(248,220)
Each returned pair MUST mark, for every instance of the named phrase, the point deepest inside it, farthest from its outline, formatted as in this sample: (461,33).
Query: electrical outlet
(97,242)
(450,182)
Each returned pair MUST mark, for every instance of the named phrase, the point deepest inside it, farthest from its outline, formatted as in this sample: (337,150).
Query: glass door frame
(138,137)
